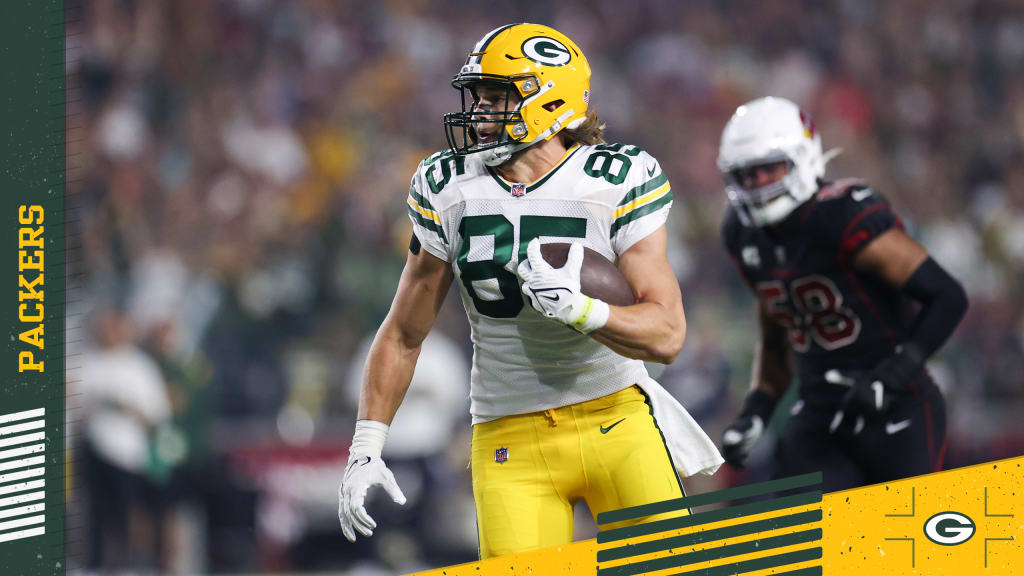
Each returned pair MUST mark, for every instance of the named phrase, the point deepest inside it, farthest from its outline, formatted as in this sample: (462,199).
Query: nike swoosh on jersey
(650,171)
(605,430)
(861,194)
(894,427)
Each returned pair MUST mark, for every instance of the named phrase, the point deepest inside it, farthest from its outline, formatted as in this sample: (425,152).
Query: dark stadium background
(241,206)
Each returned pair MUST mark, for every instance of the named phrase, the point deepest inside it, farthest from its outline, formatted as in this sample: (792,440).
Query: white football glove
(364,470)
(555,292)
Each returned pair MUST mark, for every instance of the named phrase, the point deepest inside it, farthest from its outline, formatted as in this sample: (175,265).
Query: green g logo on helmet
(546,51)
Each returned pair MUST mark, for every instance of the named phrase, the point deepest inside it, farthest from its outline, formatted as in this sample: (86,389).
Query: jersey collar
(507,186)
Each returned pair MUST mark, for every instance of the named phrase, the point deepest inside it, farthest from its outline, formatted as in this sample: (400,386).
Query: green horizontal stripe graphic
(809,571)
(707,517)
(748,491)
(428,224)
(709,535)
(644,188)
(713,553)
(641,212)
(757,563)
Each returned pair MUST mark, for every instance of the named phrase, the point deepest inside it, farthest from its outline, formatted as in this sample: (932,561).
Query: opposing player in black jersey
(837,282)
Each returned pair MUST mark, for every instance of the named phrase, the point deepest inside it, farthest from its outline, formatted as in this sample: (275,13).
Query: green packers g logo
(949,528)
(546,51)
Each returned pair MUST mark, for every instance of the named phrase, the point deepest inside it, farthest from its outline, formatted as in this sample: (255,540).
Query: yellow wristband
(582,320)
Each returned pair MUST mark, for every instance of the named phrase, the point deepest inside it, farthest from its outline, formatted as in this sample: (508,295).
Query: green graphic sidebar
(32,287)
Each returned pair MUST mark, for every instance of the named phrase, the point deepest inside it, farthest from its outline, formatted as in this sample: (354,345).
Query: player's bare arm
(771,375)
(773,365)
(893,257)
(392,359)
(906,267)
(654,328)
(389,369)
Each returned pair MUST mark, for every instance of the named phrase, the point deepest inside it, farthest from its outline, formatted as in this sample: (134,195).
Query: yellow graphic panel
(881,529)
(964,521)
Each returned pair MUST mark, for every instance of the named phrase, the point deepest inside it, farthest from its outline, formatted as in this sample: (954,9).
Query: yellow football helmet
(549,74)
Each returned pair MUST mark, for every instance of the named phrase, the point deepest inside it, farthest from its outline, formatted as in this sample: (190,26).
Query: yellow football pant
(529,470)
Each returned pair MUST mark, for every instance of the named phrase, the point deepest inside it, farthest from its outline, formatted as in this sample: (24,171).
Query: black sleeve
(944,304)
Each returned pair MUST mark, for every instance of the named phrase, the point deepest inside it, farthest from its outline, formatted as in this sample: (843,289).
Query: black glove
(873,393)
(741,435)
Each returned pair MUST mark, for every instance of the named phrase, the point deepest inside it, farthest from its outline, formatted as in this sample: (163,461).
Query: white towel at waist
(691,450)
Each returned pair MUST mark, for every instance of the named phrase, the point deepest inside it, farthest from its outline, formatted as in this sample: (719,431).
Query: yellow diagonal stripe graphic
(877,530)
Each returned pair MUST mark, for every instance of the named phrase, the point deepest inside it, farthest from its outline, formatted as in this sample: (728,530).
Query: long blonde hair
(590,132)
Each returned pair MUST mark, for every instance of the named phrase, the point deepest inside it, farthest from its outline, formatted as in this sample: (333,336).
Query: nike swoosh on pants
(892,428)
(605,430)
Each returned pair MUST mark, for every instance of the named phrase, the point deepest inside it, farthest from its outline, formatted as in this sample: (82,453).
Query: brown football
(599,277)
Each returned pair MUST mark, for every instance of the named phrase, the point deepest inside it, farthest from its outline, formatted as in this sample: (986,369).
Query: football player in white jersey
(563,409)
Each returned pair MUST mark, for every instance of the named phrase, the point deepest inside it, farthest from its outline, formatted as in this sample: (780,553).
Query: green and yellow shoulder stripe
(642,200)
(422,212)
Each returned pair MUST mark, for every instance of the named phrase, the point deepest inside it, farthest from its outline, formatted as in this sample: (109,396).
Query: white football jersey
(606,197)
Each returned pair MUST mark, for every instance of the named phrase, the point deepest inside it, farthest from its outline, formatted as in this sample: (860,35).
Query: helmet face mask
(547,87)
(760,205)
(462,129)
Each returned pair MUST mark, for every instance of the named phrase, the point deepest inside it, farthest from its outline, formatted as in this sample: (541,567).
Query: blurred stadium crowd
(240,200)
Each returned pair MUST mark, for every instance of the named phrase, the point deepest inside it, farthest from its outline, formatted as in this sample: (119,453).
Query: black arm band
(414,244)
(759,403)
(944,303)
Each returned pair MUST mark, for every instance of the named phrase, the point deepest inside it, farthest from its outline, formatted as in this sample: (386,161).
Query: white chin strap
(496,156)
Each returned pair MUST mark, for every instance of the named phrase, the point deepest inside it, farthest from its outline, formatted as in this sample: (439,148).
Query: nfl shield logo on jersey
(518,190)
(501,455)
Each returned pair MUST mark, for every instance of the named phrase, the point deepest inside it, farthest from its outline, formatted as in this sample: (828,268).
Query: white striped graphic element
(24,444)
(36,413)
(21,427)
(12,500)
(33,449)
(22,522)
(19,476)
(24,486)
(22,439)
(33,461)
(23,534)
(22,510)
